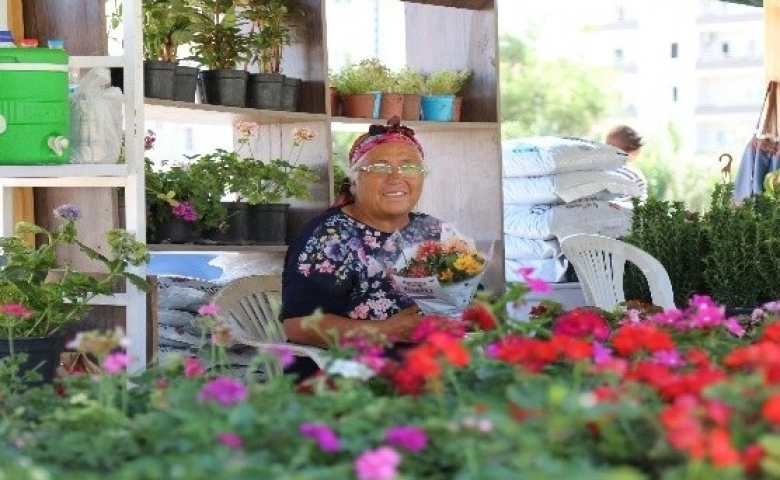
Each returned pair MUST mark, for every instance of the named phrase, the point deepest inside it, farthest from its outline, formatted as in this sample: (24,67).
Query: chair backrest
(251,307)
(600,264)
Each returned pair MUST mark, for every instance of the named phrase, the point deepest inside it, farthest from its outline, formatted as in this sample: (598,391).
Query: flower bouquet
(441,275)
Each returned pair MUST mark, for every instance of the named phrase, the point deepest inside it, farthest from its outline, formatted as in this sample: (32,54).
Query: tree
(550,96)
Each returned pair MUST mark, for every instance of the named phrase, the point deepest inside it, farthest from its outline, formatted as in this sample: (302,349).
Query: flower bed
(584,394)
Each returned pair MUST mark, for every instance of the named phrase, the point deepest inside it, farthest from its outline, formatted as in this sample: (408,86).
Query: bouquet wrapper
(435,299)
(432,296)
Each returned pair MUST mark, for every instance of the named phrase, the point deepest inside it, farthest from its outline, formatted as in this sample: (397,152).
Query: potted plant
(39,296)
(269,32)
(360,86)
(167,24)
(442,89)
(265,184)
(219,46)
(183,201)
(410,83)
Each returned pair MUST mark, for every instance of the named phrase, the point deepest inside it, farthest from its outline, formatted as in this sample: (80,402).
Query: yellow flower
(469,264)
(445,275)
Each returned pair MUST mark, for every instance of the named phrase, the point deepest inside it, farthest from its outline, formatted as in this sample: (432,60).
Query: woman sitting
(334,263)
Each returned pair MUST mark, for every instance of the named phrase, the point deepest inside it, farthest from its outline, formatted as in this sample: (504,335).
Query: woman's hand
(401,325)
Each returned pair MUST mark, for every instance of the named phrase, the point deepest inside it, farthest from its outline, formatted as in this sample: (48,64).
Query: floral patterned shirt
(336,263)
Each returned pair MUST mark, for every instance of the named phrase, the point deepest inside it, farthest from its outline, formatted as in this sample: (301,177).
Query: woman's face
(387,196)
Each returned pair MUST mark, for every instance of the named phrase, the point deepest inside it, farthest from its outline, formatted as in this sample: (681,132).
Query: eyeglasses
(405,170)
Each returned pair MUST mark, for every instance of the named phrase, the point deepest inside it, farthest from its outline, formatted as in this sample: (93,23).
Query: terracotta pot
(334,102)
(412,107)
(358,106)
(456,108)
(392,106)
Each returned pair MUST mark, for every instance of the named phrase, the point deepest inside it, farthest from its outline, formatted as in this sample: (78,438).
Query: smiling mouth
(395,194)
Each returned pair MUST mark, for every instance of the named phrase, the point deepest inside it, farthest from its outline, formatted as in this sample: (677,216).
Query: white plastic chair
(600,263)
(250,306)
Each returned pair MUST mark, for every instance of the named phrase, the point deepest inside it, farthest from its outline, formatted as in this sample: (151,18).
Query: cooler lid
(54,56)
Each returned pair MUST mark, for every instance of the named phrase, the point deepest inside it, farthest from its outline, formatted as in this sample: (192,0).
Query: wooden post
(772,39)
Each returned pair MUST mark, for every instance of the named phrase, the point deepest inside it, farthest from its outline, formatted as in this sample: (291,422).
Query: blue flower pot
(437,108)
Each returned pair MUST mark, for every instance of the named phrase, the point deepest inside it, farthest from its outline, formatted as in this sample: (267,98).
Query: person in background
(628,140)
(332,265)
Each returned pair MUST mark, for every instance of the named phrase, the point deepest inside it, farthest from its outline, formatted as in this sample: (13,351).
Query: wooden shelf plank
(69,175)
(96,61)
(347,124)
(201,113)
(184,247)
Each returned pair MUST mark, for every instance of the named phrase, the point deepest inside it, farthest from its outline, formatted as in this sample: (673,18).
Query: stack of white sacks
(557,186)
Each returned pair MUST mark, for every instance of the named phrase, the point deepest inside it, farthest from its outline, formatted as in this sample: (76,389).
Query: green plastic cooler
(34,109)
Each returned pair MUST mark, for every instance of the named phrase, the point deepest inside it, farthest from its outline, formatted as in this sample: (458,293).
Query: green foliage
(447,82)
(199,183)
(166,25)
(727,252)
(550,96)
(52,295)
(408,81)
(366,76)
(674,236)
(269,32)
(217,40)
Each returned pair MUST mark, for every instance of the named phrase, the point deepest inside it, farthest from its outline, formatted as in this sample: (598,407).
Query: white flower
(350,369)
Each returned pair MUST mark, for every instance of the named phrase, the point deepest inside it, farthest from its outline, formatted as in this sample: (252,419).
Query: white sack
(545,222)
(568,187)
(96,119)
(527,248)
(536,156)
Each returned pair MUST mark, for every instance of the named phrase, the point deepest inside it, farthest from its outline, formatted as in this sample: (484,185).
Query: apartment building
(695,64)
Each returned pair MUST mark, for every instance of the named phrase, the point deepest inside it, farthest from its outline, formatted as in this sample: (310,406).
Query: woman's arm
(399,327)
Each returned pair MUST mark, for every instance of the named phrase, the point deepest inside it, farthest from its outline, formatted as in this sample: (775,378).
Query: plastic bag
(440,275)
(96,119)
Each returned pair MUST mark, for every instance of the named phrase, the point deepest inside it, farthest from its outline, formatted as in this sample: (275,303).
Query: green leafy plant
(259,181)
(447,82)
(40,294)
(269,32)
(167,24)
(408,81)
(217,42)
(366,76)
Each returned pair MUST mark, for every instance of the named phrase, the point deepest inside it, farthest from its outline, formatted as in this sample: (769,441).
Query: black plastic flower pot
(176,230)
(291,93)
(267,223)
(264,91)
(234,229)
(158,79)
(185,82)
(43,355)
(224,87)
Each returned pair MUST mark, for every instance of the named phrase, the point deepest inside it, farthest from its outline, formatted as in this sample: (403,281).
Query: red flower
(455,353)
(634,338)
(751,459)
(721,451)
(582,323)
(421,361)
(771,410)
(771,333)
(479,315)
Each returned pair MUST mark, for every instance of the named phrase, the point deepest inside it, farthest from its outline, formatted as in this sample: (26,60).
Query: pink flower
(225,391)
(230,440)
(323,435)
(185,211)
(208,309)
(379,464)
(116,362)
(670,358)
(534,284)
(601,354)
(733,326)
(193,367)
(15,310)
(411,438)
(284,354)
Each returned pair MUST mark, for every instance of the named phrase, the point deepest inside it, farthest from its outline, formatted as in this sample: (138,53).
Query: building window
(674,94)
(724,48)
(618,56)
(674,50)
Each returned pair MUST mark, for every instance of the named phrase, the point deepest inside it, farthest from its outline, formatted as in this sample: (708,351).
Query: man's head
(625,138)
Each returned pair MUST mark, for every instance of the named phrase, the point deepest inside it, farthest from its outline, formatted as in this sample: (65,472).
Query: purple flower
(225,391)
(283,354)
(208,309)
(733,326)
(379,464)
(601,354)
(670,358)
(411,438)
(335,251)
(185,211)
(67,212)
(323,435)
(230,440)
(116,362)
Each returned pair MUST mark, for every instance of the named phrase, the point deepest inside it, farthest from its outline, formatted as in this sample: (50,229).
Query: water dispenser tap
(58,145)
(3,125)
